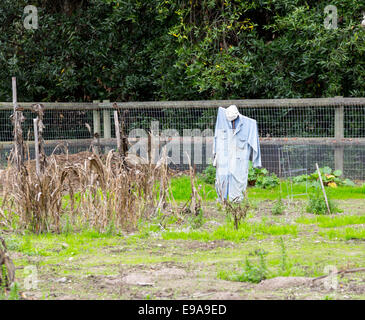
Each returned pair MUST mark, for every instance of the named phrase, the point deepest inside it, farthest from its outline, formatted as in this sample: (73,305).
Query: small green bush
(261,178)
(254,272)
(278,207)
(331,178)
(317,204)
(208,175)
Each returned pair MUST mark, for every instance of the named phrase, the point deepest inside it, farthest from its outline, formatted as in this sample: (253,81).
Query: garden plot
(140,232)
(204,262)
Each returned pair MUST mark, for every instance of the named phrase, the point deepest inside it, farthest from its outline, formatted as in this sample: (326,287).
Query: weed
(317,204)
(197,221)
(252,272)
(283,255)
(228,232)
(237,210)
(347,234)
(209,174)
(14,292)
(278,207)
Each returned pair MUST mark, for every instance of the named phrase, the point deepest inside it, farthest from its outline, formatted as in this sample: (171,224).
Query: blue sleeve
(254,142)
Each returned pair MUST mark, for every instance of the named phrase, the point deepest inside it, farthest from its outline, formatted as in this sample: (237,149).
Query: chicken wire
(195,123)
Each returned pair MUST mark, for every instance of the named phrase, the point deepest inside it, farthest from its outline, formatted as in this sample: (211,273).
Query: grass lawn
(203,257)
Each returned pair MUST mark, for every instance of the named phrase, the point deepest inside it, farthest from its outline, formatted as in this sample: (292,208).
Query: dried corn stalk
(7,269)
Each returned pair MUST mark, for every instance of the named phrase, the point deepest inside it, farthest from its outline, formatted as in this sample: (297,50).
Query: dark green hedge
(181,50)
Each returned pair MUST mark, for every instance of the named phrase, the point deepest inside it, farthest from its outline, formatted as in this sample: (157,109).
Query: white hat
(232,112)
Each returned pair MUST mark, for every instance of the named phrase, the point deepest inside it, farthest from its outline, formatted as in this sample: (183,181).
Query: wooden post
(322,186)
(17,119)
(339,134)
(117,131)
(107,124)
(36,146)
(96,119)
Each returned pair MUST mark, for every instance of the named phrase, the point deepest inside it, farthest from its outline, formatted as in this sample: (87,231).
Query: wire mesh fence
(332,130)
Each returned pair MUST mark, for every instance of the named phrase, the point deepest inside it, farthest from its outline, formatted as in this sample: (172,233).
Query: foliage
(208,175)
(330,178)
(278,207)
(283,255)
(237,210)
(261,178)
(197,221)
(258,177)
(317,204)
(252,272)
(181,50)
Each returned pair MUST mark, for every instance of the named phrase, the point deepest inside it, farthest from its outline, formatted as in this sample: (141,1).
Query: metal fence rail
(333,129)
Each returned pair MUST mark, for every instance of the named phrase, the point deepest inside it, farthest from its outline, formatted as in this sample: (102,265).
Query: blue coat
(232,150)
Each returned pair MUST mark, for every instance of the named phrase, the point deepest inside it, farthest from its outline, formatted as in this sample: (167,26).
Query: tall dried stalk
(194,204)
(37,200)
(113,194)
(7,268)
(102,192)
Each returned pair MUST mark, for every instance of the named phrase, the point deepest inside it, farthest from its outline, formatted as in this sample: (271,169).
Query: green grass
(181,189)
(228,232)
(332,221)
(346,233)
(65,244)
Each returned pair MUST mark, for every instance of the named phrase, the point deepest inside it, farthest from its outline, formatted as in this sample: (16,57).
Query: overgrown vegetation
(257,271)
(101,193)
(278,207)
(258,177)
(237,210)
(181,50)
(317,203)
(330,178)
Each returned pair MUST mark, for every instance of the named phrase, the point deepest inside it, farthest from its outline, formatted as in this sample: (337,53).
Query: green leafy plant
(330,178)
(253,272)
(208,175)
(261,178)
(317,204)
(278,207)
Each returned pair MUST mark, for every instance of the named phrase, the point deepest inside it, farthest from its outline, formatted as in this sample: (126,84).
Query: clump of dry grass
(36,200)
(194,204)
(109,191)
(115,192)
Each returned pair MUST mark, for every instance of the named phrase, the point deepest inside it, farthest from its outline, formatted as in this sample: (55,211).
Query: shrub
(208,175)
(330,178)
(260,177)
(278,207)
(317,204)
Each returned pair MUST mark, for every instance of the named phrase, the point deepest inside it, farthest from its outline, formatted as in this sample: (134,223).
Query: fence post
(117,129)
(36,147)
(107,122)
(17,119)
(339,134)
(96,119)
